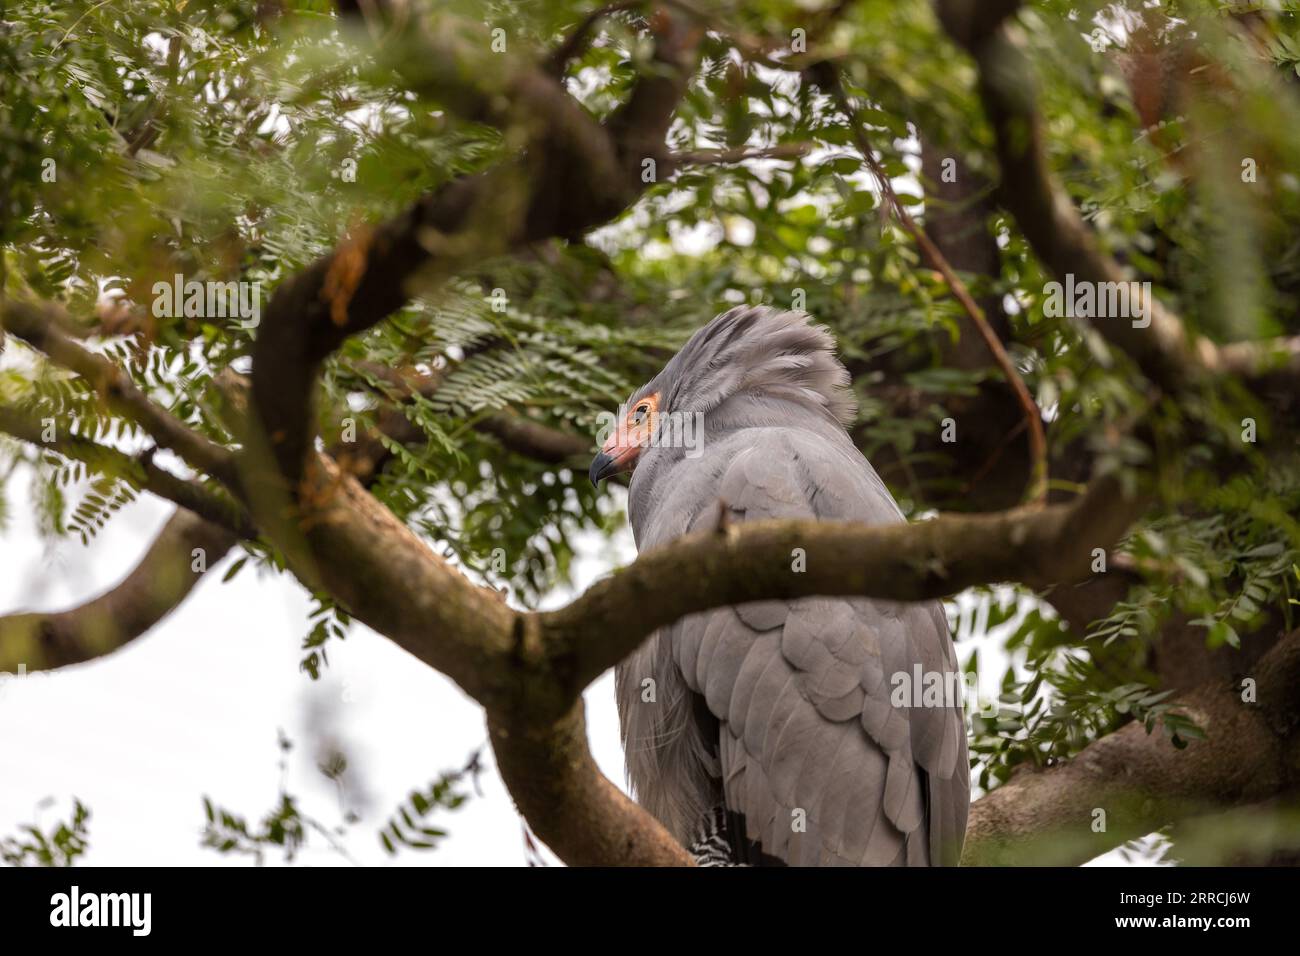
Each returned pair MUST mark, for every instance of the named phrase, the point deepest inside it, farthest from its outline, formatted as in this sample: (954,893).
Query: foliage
(402,828)
(286,829)
(328,621)
(239,140)
(60,847)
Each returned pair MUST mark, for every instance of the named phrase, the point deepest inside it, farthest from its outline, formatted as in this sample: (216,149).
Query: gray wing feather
(801,689)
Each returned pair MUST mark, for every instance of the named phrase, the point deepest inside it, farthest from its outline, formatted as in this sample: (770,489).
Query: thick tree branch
(904,562)
(528,670)
(389,579)
(1142,782)
(161,581)
(572,176)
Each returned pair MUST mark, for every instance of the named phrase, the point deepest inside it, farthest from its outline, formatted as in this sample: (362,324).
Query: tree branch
(528,670)
(572,175)
(903,562)
(140,470)
(532,439)
(39,326)
(161,581)
(1143,782)
(516,432)
(390,579)
(1164,351)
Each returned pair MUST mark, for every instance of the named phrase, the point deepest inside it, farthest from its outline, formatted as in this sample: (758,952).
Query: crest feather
(757,351)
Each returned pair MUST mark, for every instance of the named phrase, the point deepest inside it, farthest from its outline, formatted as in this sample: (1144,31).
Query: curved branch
(529,669)
(571,805)
(755,561)
(429,608)
(1056,231)
(161,581)
(390,579)
(140,470)
(573,175)
(39,325)
(1142,782)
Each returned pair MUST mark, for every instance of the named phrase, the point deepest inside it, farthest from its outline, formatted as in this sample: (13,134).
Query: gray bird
(780,732)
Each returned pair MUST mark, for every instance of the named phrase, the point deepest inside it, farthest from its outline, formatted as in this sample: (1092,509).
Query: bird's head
(757,357)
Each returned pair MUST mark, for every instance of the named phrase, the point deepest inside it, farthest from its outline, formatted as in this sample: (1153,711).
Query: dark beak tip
(602,466)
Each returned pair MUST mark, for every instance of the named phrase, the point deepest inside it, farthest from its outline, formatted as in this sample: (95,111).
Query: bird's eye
(639,413)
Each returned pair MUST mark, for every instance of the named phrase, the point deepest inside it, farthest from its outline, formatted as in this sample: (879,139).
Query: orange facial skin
(624,445)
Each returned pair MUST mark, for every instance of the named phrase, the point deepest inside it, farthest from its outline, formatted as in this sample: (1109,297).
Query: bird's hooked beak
(624,445)
(602,466)
(615,458)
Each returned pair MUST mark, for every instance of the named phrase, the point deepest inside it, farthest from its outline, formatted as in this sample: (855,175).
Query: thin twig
(1036,491)
(575,42)
(138,470)
(729,157)
(39,324)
